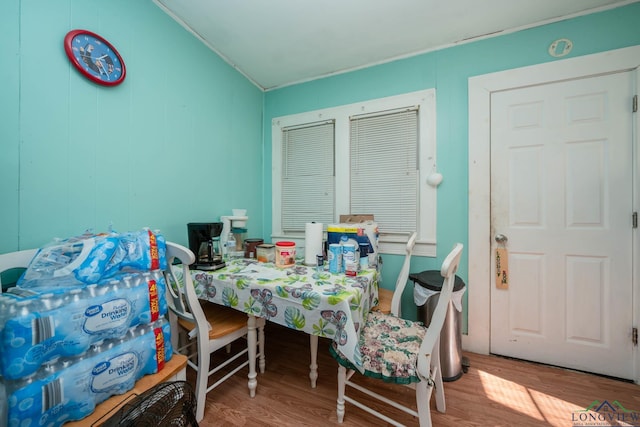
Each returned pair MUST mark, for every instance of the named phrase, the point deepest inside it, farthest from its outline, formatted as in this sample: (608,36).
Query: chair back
(430,343)
(401,282)
(11,260)
(181,295)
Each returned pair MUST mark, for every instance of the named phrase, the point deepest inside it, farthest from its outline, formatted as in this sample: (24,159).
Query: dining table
(305,298)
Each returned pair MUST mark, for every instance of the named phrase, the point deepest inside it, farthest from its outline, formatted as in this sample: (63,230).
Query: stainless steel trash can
(451,336)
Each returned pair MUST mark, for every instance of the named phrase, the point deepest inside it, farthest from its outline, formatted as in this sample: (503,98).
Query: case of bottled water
(70,388)
(36,326)
(94,258)
(84,322)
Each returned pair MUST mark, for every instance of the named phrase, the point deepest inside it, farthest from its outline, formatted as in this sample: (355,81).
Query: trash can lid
(431,279)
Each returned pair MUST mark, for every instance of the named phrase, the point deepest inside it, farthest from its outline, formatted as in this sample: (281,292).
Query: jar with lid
(250,246)
(285,254)
(266,253)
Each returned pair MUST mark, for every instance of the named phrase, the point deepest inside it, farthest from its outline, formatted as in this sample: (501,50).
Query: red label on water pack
(154,304)
(153,251)
(160,356)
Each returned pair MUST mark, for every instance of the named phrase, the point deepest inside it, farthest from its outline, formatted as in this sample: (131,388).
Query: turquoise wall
(187,138)
(179,140)
(447,71)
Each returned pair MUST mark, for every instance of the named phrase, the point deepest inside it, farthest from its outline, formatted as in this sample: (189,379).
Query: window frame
(425,100)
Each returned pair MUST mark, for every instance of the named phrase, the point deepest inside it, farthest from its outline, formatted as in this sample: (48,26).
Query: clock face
(94,57)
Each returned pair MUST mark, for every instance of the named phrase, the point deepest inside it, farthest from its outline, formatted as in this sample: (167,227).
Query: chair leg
(342,384)
(423,398)
(252,343)
(262,361)
(313,367)
(441,405)
(202,377)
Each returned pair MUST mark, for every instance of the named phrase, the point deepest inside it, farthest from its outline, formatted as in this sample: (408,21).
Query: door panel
(561,191)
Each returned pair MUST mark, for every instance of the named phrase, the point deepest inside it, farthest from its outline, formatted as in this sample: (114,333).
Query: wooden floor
(495,391)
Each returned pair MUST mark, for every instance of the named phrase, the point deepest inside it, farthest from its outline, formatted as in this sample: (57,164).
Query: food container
(350,268)
(250,246)
(335,258)
(285,254)
(349,255)
(266,253)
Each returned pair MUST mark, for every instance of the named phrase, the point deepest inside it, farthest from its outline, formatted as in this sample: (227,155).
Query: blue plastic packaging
(70,389)
(37,327)
(94,258)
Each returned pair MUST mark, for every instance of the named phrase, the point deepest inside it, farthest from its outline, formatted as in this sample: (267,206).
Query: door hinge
(635,103)
(634,219)
(634,336)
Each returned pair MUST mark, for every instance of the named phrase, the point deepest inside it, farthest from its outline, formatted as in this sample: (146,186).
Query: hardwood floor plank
(495,391)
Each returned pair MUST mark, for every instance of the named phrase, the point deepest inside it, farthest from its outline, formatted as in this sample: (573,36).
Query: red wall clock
(94,57)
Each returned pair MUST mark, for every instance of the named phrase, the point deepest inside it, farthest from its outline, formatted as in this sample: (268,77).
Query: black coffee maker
(204,242)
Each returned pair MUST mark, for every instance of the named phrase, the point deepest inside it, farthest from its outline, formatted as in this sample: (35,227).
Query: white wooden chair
(420,369)
(19,259)
(215,327)
(385,296)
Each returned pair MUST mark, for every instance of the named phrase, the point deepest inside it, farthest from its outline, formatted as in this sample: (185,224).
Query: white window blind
(384,169)
(308,189)
(370,157)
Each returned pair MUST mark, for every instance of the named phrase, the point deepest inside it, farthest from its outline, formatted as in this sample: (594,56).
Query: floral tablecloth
(299,297)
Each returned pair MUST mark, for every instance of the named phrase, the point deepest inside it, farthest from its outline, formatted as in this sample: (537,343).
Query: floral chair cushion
(389,347)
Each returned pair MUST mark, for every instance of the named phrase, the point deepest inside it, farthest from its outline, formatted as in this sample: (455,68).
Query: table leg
(262,363)
(252,343)
(313,368)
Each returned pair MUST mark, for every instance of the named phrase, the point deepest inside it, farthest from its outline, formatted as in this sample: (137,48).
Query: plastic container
(231,245)
(285,254)
(239,236)
(364,256)
(349,256)
(266,253)
(335,258)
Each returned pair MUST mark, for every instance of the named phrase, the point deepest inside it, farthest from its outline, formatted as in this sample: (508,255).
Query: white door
(561,194)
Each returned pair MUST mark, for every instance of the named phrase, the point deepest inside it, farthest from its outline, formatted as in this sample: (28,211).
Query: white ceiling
(276,43)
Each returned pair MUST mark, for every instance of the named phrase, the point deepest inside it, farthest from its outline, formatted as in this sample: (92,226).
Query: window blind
(384,169)
(308,189)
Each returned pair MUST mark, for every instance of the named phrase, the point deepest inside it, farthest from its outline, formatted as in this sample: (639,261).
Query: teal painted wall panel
(447,70)
(9,125)
(179,140)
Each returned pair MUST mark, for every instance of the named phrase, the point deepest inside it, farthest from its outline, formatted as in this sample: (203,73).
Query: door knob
(501,238)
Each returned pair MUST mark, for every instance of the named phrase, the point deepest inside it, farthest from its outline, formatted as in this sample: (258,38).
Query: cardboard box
(352,219)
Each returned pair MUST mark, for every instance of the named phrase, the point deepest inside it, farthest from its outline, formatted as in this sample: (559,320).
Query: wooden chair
(385,296)
(215,327)
(420,369)
(19,259)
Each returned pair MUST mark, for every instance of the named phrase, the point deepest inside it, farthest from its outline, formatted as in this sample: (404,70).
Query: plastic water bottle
(231,245)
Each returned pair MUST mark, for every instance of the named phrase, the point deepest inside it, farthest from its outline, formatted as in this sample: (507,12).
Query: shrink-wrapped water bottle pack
(84,322)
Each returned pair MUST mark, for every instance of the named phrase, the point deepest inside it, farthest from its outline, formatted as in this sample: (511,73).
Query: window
(367,158)
(307,175)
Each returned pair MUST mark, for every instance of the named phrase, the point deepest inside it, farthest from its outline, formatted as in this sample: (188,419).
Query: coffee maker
(204,242)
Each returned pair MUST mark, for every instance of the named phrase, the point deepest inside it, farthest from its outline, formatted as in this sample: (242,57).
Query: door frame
(477,338)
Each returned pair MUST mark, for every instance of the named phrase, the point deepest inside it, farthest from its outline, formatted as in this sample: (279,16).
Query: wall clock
(94,57)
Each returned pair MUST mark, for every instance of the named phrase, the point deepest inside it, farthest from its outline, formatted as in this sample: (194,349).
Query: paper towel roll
(312,242)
